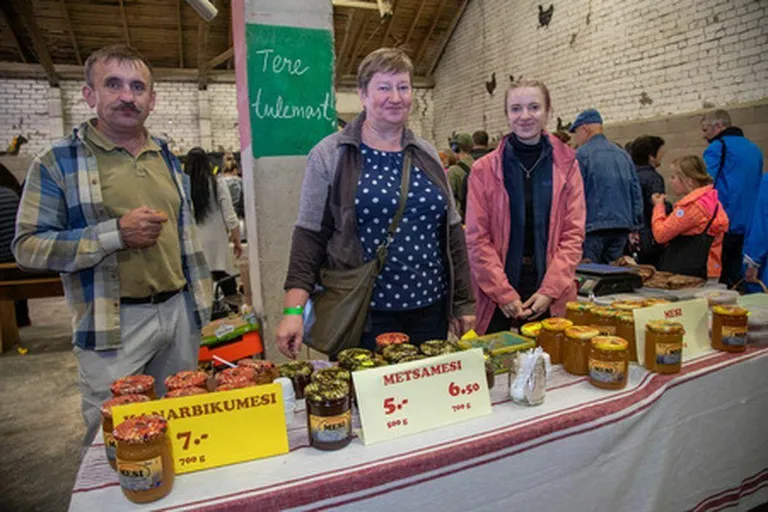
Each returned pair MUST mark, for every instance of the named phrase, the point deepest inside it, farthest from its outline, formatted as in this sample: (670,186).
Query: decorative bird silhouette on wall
(491,86)
(545,16)
(562,127)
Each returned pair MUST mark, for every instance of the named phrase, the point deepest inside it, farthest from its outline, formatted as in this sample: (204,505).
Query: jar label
(330,429)
(110,445)
(609,372)
(734,336)
(607,330)
(669,353)
(142,475)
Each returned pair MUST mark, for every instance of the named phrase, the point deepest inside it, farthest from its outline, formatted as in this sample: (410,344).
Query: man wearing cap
(611,188)
(458,174)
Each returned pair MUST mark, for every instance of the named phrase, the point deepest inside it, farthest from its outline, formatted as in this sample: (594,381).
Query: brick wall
(24,110)
(631,59)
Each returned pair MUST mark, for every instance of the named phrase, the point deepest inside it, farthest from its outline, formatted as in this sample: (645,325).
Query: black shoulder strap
(717,209)
(464,166)
(722,162)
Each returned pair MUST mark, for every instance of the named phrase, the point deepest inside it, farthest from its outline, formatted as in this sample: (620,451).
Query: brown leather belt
(157,298)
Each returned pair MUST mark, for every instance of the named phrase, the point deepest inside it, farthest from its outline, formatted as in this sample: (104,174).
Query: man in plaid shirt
(109,208)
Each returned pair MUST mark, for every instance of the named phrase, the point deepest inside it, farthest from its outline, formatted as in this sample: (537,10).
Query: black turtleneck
(528,154)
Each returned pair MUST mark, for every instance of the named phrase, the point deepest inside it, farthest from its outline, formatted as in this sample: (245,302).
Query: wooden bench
(16,284)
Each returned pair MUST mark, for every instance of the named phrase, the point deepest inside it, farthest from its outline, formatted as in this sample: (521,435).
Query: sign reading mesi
(290,88)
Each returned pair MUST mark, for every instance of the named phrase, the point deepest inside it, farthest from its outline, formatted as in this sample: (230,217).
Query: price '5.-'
(390,406)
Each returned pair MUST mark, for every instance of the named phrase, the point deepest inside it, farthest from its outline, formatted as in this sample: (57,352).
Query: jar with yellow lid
(531,329)
(552,336)
(625,329)
(107,424)
(329,419)
(729,328)
(605,319)
(663,346)
(654,302)
(627,305)
(578,312)
(144,462)
(576,348)
(609,362)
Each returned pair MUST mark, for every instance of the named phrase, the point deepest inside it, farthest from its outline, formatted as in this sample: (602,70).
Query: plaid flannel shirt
(63,226)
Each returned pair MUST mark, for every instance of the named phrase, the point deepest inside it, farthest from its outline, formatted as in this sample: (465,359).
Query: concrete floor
(41,428)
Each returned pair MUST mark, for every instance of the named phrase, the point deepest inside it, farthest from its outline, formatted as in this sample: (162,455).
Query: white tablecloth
(690,441)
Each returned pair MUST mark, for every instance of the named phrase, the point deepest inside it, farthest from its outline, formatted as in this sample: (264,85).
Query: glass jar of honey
(729,328)
(576,348)
(654,302)
(390,338)
(265,372)
(107,425)
(627,305)
(605,319)
(300,373)
(608,362)
(531,330)
(134,385)
(329,419)
(144,463)
(187,379)
(552,336)
(625,329)
(663,346)
(580,313)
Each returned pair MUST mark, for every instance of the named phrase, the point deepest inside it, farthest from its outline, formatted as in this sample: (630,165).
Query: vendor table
(689,441)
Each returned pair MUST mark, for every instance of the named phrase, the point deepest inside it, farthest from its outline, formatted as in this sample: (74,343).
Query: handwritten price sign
(412,397)
(691,313)
(219,428)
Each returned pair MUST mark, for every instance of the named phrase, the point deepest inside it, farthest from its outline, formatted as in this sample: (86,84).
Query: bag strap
(717,208)
(405,183)
(463,165)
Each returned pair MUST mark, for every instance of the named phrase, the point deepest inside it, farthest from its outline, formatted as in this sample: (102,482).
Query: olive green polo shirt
(127,183)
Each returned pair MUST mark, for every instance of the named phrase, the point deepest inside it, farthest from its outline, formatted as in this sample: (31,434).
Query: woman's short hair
(530,83)
(383,60)
(645,147)
(693,167)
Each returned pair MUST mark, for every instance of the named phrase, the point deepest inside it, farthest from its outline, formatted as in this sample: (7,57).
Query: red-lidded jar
(390,338)
(227,375)
(134,385)
(187,379)
(329,419)
(107,424)
(265,371)
(178,393)
(234,381)
(729,328)
(144,461)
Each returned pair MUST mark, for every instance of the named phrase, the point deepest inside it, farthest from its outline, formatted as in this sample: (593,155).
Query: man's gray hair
(718,116)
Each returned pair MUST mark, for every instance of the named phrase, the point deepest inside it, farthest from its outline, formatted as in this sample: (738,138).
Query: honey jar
(576,348)
(107,425)
(580,313)
(144,463)
(181,392)
(627,305)
(663,346)
(625,329)
(186,379)
(609,362)
(390,338)
(329,419)
(265,372)
(300,373)
(654,302)
(531,330)
(729,328)
(552,336)
(134,385)
(605,319)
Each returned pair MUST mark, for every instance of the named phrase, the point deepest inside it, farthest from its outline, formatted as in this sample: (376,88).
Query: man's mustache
(130,106)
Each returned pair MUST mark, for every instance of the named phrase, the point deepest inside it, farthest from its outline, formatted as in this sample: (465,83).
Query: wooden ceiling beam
(72,37)
(344,42)
(350,60)
(41,49)
(221,58)
(15,35)
(425,42)
(180,31)
(447,37)
(230,38)
(126,32)
(389,25)
(203,30)
(356,4)
(414,22)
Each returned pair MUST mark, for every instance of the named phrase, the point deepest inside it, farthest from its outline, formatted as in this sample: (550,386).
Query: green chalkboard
(290,88)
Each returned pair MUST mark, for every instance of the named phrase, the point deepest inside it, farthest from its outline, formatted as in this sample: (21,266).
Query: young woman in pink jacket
(525,218)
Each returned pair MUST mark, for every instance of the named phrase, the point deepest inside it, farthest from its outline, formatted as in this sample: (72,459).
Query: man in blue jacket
(736,165)
(756,242)
(611,188)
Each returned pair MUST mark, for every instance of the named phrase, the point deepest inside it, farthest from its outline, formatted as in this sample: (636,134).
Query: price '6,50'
(455,390)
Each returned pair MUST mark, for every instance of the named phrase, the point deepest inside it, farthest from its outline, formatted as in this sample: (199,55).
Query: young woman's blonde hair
(530,83)
(693,167)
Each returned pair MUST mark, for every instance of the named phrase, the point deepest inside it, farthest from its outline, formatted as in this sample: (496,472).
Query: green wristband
(298,310)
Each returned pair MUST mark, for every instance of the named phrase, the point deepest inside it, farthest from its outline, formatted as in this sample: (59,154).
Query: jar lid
(531,329)
(665,326)
(605,312)
(626,316)
(190,391)
(610,343)
(331,374)
(348,356)
(106,407)
(437,348)
(392,338)
(722,309)
(226,375)
(581,332)
(293,369)
(141,429)
(234,382)
(577,305)
(393,353)
(654,301)
(556,324)
(186,379)
(261,366)
(324,392)
(415,357)
(625,305)
(133,384)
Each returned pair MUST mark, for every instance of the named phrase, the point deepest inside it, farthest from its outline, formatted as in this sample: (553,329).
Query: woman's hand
(289,335)
(658,198)
(234,237)
(462,325)
(536,306)
(513,309)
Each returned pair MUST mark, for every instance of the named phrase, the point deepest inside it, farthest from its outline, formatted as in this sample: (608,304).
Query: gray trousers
(158,340)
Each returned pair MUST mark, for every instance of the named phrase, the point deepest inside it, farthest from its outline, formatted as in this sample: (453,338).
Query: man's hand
(658,198)
(140,228)
(536,306)
(513,309)
(289,335)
